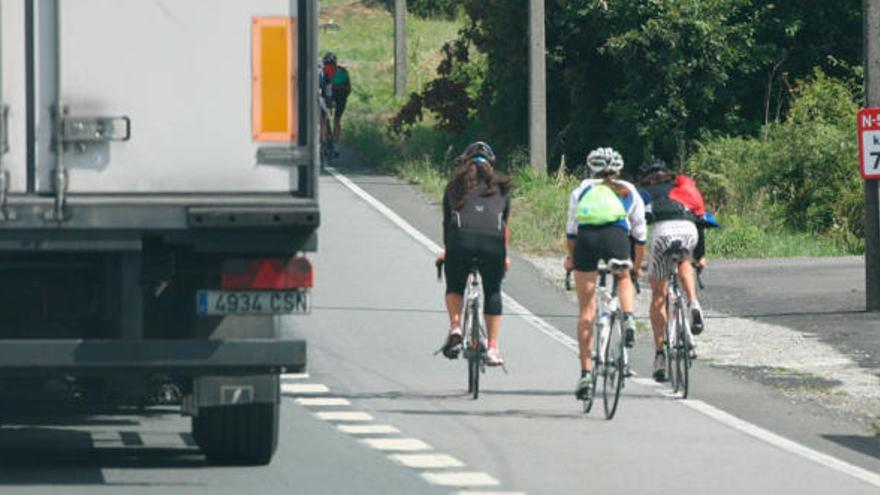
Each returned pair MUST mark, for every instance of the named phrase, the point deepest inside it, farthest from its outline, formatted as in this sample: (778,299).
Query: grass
(364,43)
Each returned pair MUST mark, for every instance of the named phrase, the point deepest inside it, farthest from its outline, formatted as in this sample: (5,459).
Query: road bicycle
(609,357)
(679,340)
(327,151)
(474,338)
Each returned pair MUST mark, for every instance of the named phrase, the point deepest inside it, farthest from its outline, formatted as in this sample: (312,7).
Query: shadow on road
(37,452)
(866,445)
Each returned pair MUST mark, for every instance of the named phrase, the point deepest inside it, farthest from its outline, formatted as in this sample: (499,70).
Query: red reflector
(267,274)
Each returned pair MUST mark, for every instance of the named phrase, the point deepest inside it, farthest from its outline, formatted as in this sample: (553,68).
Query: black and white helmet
(604,160)
(477,150)
(329,58)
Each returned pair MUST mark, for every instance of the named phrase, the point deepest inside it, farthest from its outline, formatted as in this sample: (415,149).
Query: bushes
(801,174)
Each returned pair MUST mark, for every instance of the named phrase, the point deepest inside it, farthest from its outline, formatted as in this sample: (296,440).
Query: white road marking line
(427,461)
(541,325)
(464,478)
(322,401)
(344,416)
(397,444)
(304,388)
(294,376)
(783,443)
(367,429)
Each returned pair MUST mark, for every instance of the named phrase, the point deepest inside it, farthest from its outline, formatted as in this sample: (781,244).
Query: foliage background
(755,98)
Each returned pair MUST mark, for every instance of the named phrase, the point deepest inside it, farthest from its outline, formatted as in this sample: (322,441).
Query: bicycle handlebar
(439,265)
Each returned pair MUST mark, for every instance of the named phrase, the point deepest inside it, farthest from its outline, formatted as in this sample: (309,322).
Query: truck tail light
(267,274)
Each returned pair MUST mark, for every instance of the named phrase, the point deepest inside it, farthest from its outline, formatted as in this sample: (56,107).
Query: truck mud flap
(175,357)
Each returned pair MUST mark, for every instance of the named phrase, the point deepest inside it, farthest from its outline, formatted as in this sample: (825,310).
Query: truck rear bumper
(172,357)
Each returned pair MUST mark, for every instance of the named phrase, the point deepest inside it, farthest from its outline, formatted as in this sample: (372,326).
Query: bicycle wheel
(588,401)
(475,356)
(613,373)
(467,330)
(669,350)
(681,372)
(685,360)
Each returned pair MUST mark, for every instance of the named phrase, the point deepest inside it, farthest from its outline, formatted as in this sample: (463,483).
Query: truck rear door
(13,96)
(184,96)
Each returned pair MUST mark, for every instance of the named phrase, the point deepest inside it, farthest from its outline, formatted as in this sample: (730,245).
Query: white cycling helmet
(604,160)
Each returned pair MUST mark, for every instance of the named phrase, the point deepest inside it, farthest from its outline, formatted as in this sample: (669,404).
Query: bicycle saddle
(677,251)
(616,266)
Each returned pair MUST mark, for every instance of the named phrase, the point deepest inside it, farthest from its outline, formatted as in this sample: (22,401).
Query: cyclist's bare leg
(658,310)
(453,307)
(626,292)
(337,128)
(493,327)
(324,129)
(688,279)
(585,284)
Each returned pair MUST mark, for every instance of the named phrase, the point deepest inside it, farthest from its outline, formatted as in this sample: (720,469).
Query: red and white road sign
(869,142)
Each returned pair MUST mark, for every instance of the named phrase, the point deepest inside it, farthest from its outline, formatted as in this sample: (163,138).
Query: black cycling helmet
(329,58)
(653,166)
(477,150)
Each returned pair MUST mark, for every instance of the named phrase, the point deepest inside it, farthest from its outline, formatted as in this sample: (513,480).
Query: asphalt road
(379,413)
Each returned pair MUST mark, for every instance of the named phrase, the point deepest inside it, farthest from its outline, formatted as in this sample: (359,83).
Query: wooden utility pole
(537,87)
(400,59)
(871,12)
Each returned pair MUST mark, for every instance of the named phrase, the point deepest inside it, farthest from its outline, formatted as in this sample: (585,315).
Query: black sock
(627,315)
(584,373)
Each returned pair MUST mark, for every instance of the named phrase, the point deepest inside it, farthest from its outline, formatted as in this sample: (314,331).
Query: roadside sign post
(400,58)
(537,87)
(869,143)
(867,146)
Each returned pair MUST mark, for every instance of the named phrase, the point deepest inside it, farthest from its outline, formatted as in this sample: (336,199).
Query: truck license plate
(216,302)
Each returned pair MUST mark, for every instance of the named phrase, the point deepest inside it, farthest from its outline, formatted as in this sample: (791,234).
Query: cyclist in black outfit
(476,207)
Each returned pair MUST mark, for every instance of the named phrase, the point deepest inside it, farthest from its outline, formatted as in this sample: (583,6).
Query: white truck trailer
(158,193)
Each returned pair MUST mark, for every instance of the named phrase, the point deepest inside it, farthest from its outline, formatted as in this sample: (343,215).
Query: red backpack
(685,192)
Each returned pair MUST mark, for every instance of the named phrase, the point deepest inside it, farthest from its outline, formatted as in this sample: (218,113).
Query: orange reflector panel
(274,78)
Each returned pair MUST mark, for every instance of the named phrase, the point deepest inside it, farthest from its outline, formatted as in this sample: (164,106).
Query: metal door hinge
(4,129)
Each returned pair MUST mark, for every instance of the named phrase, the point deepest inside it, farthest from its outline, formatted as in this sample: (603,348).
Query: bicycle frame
(473,301)
(678,332)
(474,330)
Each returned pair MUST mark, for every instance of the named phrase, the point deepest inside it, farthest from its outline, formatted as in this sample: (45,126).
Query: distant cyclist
(476,208)
(675,206)
(604,213)
(325,95)
(339,84)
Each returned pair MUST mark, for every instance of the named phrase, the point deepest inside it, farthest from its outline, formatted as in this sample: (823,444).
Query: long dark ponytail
(468,176)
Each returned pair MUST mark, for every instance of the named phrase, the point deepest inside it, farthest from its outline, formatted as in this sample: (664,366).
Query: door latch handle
(95,129)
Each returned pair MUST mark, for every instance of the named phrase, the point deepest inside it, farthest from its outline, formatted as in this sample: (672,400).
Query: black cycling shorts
(339,101)
(599,243)
(490,253)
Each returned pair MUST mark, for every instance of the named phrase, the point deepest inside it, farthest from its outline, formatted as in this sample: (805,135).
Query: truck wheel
(239,435)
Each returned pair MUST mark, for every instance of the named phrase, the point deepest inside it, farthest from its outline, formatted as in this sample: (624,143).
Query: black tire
(685,361)
(612,380)
(245,435)
(476,355)
(467,330)
(597,368)
(681,355)
(669,349)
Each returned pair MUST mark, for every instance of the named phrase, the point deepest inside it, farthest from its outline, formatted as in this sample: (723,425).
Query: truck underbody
(102,310)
